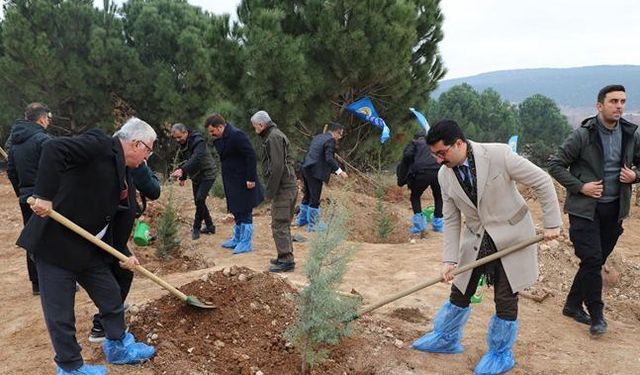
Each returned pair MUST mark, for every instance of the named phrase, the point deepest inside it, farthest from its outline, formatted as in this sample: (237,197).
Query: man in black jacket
(85,179)
(26,139)
(423,172)
(198,164)
(317,166)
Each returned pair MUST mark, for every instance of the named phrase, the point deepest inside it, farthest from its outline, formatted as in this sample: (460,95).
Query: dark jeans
(200,193)
(26,211)
(419,183)
(124,278)
(506,301)
(593,242)
(57,295)
(243,217)
(312,190)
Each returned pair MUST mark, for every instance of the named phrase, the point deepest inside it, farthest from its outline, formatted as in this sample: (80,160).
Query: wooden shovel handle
(465,268)
(104,246)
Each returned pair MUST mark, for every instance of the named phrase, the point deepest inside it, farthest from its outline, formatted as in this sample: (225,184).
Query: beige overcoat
(501,211)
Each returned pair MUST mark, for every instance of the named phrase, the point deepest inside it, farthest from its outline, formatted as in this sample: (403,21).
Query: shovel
(435,280)
(190,300)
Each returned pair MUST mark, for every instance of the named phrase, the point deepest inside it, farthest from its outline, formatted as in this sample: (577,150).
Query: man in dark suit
(317,166)
(241,186)
(84,179)
(26,139)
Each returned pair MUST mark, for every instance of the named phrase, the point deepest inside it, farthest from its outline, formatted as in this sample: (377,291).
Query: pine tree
(383,221)
(321,310)
(168,226)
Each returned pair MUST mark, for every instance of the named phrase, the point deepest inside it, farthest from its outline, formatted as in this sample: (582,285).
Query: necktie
(467,180)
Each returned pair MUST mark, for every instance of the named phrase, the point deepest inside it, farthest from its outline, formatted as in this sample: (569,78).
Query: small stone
(253,306)
(259,372)
(159,324)
(219,344)
(183,321)
(242,277)
(154,336)
(413,240)
(398,343)
(233,271)
(190,350)
(205,277)
(274,322)
(134,309)
(244,357)
(226,272)
(288,345)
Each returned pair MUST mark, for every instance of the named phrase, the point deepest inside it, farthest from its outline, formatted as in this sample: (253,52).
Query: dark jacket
(139,179)
(26,141)
(417,155)
(197,161)
(582,154)
(83,176)
(277,163)
(320,160)
(238,162)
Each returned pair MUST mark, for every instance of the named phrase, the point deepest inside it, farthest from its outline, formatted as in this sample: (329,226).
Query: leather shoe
(282,267)
(208,230)
(195,234)
(577,313)
(598,327)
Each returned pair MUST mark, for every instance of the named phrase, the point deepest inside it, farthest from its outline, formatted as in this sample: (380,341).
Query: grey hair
(136,130)
(178,127)
(260,117)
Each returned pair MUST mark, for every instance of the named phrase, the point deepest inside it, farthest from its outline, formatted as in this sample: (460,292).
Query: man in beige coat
(480,185)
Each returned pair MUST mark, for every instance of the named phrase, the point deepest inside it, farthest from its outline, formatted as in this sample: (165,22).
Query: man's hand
(41,207)
(343,175)
(592,189)
(177,173)
(251,184)
(131,263)
(627,175)
(447,272)
(181,182)
(551,233)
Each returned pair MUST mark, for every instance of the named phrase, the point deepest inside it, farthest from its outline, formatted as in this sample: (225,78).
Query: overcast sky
(488,35)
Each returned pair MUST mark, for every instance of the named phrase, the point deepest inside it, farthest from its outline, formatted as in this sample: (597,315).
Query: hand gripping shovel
(467,267)
(190,300)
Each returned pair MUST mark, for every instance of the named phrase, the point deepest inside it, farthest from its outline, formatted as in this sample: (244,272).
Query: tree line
(167,61)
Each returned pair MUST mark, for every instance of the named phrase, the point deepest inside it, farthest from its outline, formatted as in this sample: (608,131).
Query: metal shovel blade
(194,301)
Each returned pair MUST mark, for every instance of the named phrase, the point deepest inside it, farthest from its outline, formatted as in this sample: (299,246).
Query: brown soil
(548,343)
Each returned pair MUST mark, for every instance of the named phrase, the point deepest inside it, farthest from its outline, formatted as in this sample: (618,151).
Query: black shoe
(208,230)
(96,335)
(577,313)
(598,327)
(282,267)
(35,289)
(274,260)
(195,234)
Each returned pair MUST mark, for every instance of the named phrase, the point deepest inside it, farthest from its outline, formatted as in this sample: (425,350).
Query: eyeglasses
(441,153)
(50,115)
(149,149)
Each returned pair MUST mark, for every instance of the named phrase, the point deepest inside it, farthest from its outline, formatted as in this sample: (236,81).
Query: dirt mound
(410,314)
(243,335)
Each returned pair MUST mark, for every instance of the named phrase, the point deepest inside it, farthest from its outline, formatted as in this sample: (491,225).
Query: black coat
(417,155)
(197,160)
(238,161)
(83,176)
(320,160)
(25,141)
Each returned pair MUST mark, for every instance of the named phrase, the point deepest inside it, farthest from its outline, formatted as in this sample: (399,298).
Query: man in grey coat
(281,188)
(479,183)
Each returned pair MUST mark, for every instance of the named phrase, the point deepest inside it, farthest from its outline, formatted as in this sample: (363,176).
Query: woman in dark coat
(241,186)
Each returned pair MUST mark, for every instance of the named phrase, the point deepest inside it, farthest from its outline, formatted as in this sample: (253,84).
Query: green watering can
(141,234)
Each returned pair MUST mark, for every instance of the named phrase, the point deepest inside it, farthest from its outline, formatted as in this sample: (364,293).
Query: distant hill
(569,87)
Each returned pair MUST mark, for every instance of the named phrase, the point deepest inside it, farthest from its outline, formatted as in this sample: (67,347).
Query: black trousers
(505,299)
(26,211)
(312,190)
(57,295)
(593,242)
(243,217)
(124,278)
(200,193)
(419,183)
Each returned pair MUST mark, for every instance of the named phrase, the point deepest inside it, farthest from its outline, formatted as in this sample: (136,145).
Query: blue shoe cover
(419,223)
(246,234)
(127,350)
(314,223)
(84,370)
(233,241)
(437,223)
(447,331)
(301,220)
(500,339)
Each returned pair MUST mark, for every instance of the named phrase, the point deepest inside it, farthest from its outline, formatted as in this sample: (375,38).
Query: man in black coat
(241,186)
(198,164)
(85,179)
(26,139)
(317,166)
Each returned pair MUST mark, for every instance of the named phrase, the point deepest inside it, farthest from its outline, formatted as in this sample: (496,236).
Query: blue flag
(513,143)
(421,119)
(363,109)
